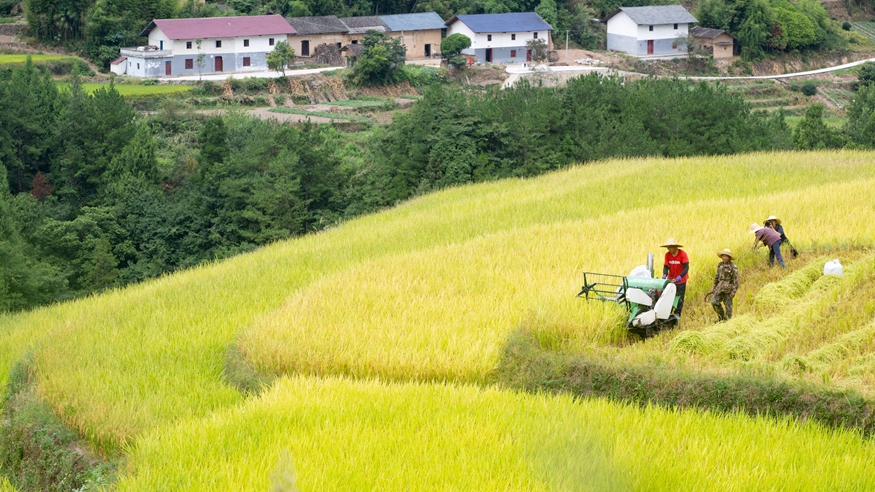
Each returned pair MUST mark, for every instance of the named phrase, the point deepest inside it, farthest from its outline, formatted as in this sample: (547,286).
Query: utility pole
(566,46)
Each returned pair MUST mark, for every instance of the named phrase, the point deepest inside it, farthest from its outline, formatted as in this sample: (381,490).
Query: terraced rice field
(384,335)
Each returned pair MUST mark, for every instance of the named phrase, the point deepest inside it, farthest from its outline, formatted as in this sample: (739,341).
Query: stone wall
(12,29)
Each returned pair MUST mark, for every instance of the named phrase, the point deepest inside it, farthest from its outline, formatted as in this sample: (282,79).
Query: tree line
(762,26)
(94,196)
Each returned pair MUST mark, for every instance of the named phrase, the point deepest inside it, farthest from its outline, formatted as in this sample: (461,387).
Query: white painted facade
(167,57)
(624,34)
(496,39)
(621,24)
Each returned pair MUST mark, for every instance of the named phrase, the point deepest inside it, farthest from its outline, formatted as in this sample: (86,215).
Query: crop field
(6,59)
(322,114)
(339,434)
(865,28)
(384,335)
(134,90)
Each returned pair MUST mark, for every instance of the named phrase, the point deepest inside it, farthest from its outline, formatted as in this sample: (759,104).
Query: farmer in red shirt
(770,238)
(675,267)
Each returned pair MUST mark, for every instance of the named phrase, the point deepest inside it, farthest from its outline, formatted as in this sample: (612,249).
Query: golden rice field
(341,434)
(397,320)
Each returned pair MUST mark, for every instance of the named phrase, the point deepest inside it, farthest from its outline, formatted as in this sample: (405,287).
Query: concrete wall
(415,42)
(156,67)
(315,40)
(626,44)
(721,46)
(502,55)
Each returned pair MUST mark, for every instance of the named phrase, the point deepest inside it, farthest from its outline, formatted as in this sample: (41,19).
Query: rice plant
(340,434)
(429,290)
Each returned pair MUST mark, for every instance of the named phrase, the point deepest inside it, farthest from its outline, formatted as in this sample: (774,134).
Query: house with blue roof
(649,31)
(501,38)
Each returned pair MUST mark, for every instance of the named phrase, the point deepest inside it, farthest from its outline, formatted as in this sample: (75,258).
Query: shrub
(150,81)
(256,84)
(809,89)
(846,26)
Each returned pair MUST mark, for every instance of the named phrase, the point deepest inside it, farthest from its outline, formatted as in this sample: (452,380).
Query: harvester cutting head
(648,300)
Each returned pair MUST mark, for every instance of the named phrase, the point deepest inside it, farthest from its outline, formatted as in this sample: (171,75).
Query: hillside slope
(431,291)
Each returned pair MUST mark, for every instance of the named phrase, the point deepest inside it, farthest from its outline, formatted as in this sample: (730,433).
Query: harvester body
(648,300)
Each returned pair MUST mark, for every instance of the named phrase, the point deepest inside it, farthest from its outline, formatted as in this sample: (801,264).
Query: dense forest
(95,195)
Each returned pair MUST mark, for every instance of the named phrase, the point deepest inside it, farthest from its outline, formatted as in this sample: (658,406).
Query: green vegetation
(20,59)
(281,57)
(126,90)
(865,28)
(381,62)
(321,114)
(776,25)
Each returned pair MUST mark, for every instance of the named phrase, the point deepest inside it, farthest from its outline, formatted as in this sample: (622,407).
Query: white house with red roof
(228,44)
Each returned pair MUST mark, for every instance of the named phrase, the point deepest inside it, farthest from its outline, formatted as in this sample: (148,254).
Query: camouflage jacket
(726,279)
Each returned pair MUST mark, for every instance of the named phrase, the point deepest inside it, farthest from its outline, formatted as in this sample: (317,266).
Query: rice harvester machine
(649,301)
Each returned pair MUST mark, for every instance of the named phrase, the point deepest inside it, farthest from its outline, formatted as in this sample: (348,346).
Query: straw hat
(727,253)
(772,217)
(671,242)
(754,228)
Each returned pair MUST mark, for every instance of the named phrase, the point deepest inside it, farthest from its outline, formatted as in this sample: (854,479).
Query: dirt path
(266,114)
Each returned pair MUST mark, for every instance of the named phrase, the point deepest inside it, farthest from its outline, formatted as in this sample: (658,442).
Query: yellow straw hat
(727,253)
(772,217)
(671,242)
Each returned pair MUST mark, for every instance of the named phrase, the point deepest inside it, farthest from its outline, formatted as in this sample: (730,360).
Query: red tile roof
(118,60)
(221,27)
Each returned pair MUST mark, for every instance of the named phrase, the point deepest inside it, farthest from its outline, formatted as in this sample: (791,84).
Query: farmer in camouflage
(725,285)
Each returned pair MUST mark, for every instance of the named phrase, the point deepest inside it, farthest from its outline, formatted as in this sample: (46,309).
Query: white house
(501,38)
(643,31)
(228,44)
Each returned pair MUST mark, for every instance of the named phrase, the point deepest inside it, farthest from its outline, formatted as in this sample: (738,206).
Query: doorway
(649,46)
(528,55)
(428,50)
(167,68)
(219,65)
(305,48)
(488,55)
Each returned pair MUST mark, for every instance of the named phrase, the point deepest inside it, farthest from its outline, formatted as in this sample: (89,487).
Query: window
(355,41)
(536,36)
(270,41)
(218,43)
(675,26)
(651,28)
(246,41)
(489,37)
(188,45)
(245,61)
(138,66)
(189,63)
(513,53)
(513,37)
(338,46)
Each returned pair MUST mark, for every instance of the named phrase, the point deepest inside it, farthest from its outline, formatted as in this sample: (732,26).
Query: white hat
(775,219)
(754,228)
